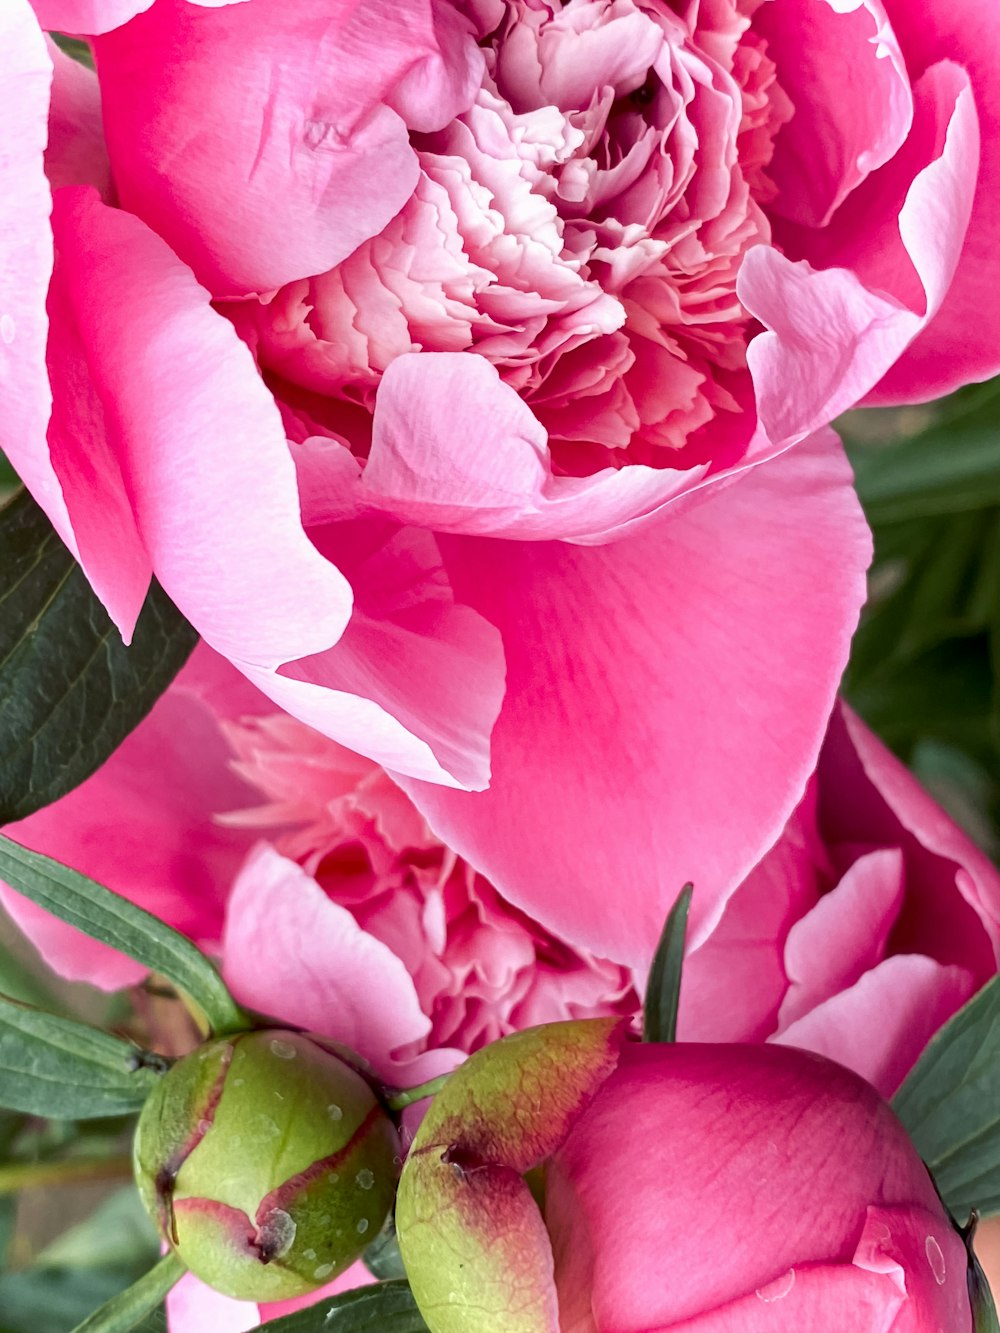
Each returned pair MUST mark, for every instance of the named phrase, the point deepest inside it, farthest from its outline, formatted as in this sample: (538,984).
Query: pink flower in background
(869,924)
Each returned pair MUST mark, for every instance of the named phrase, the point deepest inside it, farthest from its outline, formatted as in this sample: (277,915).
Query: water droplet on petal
(365,1178)
(334,1111)
(778,1289)
(935,1257)
(284,1050)
(362,1225)
(323,1271)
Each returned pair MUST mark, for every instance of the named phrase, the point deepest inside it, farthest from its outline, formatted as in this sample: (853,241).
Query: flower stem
(16,1176)
(397,1099)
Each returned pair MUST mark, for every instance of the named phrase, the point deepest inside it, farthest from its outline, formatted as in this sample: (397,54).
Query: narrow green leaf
(387,1307)
(984,1311)
(70,691)
(942,471)
(124,1311)
(663,990)
(950,1105)
(105,916)
(74,47)
(56,1067)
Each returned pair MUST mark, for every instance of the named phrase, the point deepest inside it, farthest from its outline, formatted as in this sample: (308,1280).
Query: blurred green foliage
(925,666)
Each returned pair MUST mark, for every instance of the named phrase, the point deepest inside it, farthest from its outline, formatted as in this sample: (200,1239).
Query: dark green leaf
(984,1311)
(130,1307)
(387,1307)
(70,691)
(79,51)
(663,990)
(104,915)
(118,1235)
(950,1105)
(53,1066)
(945,470)
(382,1257)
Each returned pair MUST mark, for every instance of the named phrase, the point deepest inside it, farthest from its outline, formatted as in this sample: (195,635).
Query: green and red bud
(268,1163)
(470,1231)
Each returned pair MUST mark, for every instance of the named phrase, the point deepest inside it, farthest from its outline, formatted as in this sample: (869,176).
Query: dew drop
(308,1254)
(323,1271)
(334,1111)
(284,1050)
(7,328)
(362,1225)
(204,1126)
(365,1178)
(935,1257)
(277,1235)
(778,1289)
(333,1177)
(238,1082)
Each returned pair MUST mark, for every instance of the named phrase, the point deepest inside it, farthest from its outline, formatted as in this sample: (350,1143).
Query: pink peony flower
(785,1196)
(868,925)
(363,292)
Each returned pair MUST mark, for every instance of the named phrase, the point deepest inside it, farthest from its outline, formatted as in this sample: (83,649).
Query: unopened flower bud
(267,1162)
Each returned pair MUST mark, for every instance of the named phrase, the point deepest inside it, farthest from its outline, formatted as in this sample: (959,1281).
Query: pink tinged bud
(267,1162)
(471,1234)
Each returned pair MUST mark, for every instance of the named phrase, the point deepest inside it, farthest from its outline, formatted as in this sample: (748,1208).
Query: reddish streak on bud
(166,1178)
(283,1198)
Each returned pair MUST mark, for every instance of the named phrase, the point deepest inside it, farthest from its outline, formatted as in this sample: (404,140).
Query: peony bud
(268,1163)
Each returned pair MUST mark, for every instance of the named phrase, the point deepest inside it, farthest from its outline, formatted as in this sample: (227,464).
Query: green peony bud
(267,1162)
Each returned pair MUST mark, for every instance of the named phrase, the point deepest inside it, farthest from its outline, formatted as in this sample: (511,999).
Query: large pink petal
(75,153)
(144,826)
(962,342)
(836,329)
(196,440)
(667,696)
(833,142)
(291,117)
(291,952)
(880,1025)
(26,241)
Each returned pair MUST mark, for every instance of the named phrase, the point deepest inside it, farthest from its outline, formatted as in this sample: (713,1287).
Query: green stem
(16,1176)
(397,1099)
(124,1311)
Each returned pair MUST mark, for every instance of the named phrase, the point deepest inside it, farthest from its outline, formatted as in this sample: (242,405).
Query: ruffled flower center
(581,225)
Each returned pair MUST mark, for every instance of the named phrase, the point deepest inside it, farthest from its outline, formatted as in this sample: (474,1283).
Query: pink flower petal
(291,952)
(833,142)
(25,204)
(192,1307)
(293,117)
(961,342)
(898,1006)
(844,935)
(834,333)
(674,683)
(75,153)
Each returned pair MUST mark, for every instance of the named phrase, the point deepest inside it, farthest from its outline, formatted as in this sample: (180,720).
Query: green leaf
(70,691)
(51,1300)
(118,1234)
(126,1310)
(387,1307)
(53,1066)
(108,917)
(382,1257)
(74,47)
(943,471)
(950,1105)
(663,990)
(984,1311)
